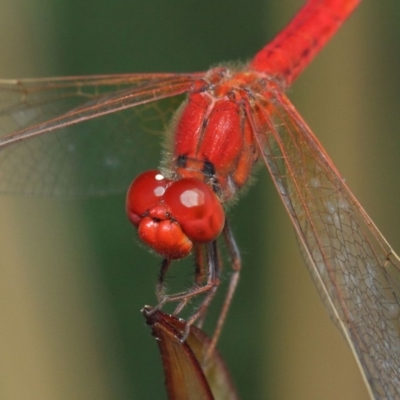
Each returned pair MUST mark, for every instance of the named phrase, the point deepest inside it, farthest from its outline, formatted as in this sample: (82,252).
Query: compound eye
(196,208)
(145,192)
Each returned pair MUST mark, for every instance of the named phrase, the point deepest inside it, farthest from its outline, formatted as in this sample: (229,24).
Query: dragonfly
(220,124)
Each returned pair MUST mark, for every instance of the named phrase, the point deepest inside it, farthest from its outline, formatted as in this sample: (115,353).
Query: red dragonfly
(232,118)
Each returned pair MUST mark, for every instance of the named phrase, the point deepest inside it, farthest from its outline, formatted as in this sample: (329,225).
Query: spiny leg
(236,264)
(199,266)
(160,291)
(212,281)
(201,319)
(211,287)
(184,296)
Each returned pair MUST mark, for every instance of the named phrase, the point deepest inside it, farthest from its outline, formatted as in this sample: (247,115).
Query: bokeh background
(72,277)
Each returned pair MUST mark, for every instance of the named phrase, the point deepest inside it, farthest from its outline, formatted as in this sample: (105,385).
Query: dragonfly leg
(236,264)
(200,274)
(209,288)
(212,280)
(160,291)
(196,289)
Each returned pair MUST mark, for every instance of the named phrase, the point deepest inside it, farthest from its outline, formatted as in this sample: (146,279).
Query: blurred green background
(72,277)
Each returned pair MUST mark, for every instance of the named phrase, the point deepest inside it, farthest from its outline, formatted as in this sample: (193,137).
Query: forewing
(354,268)
(83,135)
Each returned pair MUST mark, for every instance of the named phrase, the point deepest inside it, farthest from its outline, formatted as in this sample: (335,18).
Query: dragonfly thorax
(213,135)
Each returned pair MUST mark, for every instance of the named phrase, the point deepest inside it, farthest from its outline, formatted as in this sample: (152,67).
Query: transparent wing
(354,268)
(83,135)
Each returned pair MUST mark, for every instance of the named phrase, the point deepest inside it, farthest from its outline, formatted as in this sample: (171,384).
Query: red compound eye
(145,192)
(196,208)
(170,216)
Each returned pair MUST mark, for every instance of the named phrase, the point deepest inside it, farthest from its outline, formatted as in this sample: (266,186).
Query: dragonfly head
(172,215)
